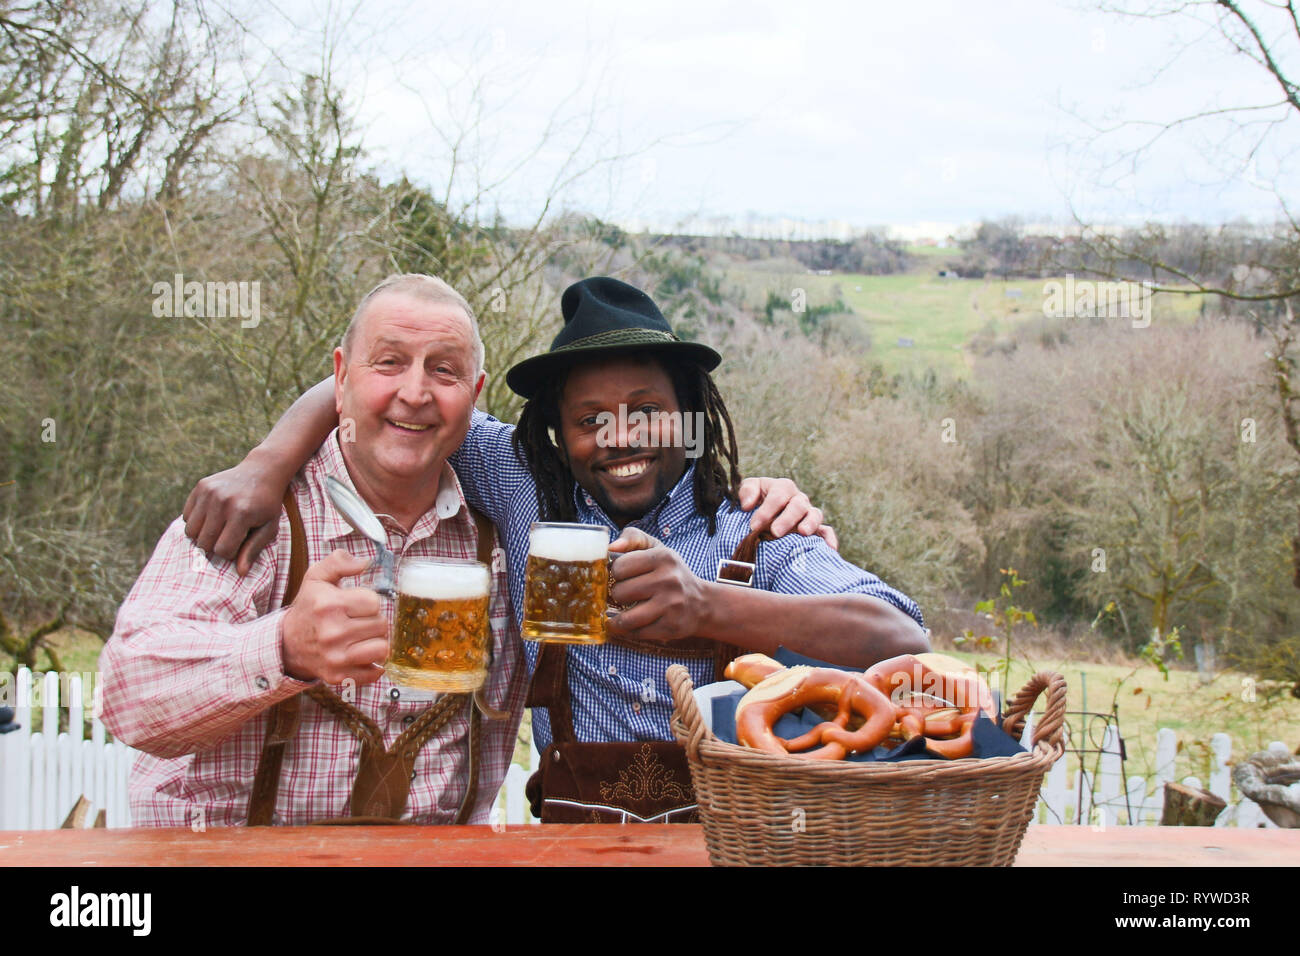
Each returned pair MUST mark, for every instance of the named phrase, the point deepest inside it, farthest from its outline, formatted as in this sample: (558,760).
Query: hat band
(612,337)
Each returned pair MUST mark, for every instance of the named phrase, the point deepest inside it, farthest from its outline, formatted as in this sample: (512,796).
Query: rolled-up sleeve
(194,655)
(796,564)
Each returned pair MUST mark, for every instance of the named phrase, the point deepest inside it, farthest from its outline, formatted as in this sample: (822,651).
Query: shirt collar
(449,503)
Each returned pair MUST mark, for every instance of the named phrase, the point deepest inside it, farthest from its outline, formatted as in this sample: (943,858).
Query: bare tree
(122,169)
(1261,275)
(99,99)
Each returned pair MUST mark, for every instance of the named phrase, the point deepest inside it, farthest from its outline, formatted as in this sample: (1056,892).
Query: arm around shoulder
(489,471)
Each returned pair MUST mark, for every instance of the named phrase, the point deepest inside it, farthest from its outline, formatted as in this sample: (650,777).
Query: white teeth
(412,426)
(627,471)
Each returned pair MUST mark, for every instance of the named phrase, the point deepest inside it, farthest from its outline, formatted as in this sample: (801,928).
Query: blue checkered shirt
(618,693)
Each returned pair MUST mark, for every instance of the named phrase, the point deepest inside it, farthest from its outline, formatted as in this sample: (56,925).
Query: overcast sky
(872,113)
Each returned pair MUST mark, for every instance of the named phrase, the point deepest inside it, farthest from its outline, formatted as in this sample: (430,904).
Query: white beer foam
(564,544)
(443,582)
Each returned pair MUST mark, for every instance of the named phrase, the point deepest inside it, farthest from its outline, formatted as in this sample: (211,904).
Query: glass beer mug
(441,640)
(566,587)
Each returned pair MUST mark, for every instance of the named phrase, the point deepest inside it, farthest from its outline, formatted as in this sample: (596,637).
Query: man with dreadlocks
(624,427)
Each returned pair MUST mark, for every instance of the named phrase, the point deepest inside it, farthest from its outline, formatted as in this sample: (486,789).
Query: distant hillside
(904,308)
(869,254)
(918,319)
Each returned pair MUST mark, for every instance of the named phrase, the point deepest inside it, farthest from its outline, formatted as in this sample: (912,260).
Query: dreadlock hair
(717,472)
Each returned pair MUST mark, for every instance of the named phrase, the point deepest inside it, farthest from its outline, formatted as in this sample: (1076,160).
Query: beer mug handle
(385,574)
(378,576)
(480,696)
(611,609)
(379,579)
(486,709)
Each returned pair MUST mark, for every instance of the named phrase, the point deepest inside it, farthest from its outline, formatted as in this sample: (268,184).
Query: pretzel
(912,695)
(935,696)
(936,675)
(752,668)
(802,686)
(959,746)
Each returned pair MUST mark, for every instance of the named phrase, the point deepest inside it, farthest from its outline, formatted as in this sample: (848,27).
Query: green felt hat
(604,316)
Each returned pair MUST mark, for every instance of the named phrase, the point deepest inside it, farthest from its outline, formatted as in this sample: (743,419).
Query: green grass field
(938,315)
(935,253)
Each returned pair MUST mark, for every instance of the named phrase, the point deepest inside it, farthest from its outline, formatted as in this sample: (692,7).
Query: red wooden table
(587,845)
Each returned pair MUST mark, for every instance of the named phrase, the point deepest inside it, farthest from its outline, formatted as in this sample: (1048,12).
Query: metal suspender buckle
(739,573)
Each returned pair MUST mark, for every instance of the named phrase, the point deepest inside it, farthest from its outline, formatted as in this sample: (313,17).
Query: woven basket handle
(1050,728)
(679,679)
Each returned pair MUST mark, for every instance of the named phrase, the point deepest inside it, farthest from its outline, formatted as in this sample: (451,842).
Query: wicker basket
(772,810)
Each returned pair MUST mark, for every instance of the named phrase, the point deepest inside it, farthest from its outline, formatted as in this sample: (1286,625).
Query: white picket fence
(512,805)
(42,773)
(1110,799)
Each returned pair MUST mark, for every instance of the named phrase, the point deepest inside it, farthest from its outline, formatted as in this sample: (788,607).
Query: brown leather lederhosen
(644,781)
(384,776)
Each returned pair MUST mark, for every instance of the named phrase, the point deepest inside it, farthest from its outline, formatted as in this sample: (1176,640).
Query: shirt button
(262,683)
(612,670)
(587,499)
(667,531)
(394,693)
(448,502)
(636,706)
(408,719)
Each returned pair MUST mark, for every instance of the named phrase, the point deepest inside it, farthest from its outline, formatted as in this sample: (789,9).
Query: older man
(205,668)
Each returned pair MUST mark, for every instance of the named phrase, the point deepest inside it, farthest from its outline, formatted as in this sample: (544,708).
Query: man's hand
(334,633)
(784,508)
(240,505)
(669,599)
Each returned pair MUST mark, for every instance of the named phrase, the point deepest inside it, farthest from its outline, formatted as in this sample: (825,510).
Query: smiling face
(628,470)
(408,388)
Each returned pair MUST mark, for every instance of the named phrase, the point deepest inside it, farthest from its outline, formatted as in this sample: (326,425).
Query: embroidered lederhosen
(384,775)
(644,781)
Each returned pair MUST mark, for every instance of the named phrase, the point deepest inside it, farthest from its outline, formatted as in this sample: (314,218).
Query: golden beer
(566,583)
(441,636)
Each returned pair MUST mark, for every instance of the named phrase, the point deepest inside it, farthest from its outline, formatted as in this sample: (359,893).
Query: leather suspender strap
(297,548)
(286,714)
(550,689)
(384,774)
(746,555)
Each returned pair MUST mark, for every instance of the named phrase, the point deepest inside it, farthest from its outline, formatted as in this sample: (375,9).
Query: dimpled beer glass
(567,581)
(441,636)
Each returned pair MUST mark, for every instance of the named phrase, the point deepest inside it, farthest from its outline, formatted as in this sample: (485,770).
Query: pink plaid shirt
(194,663)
